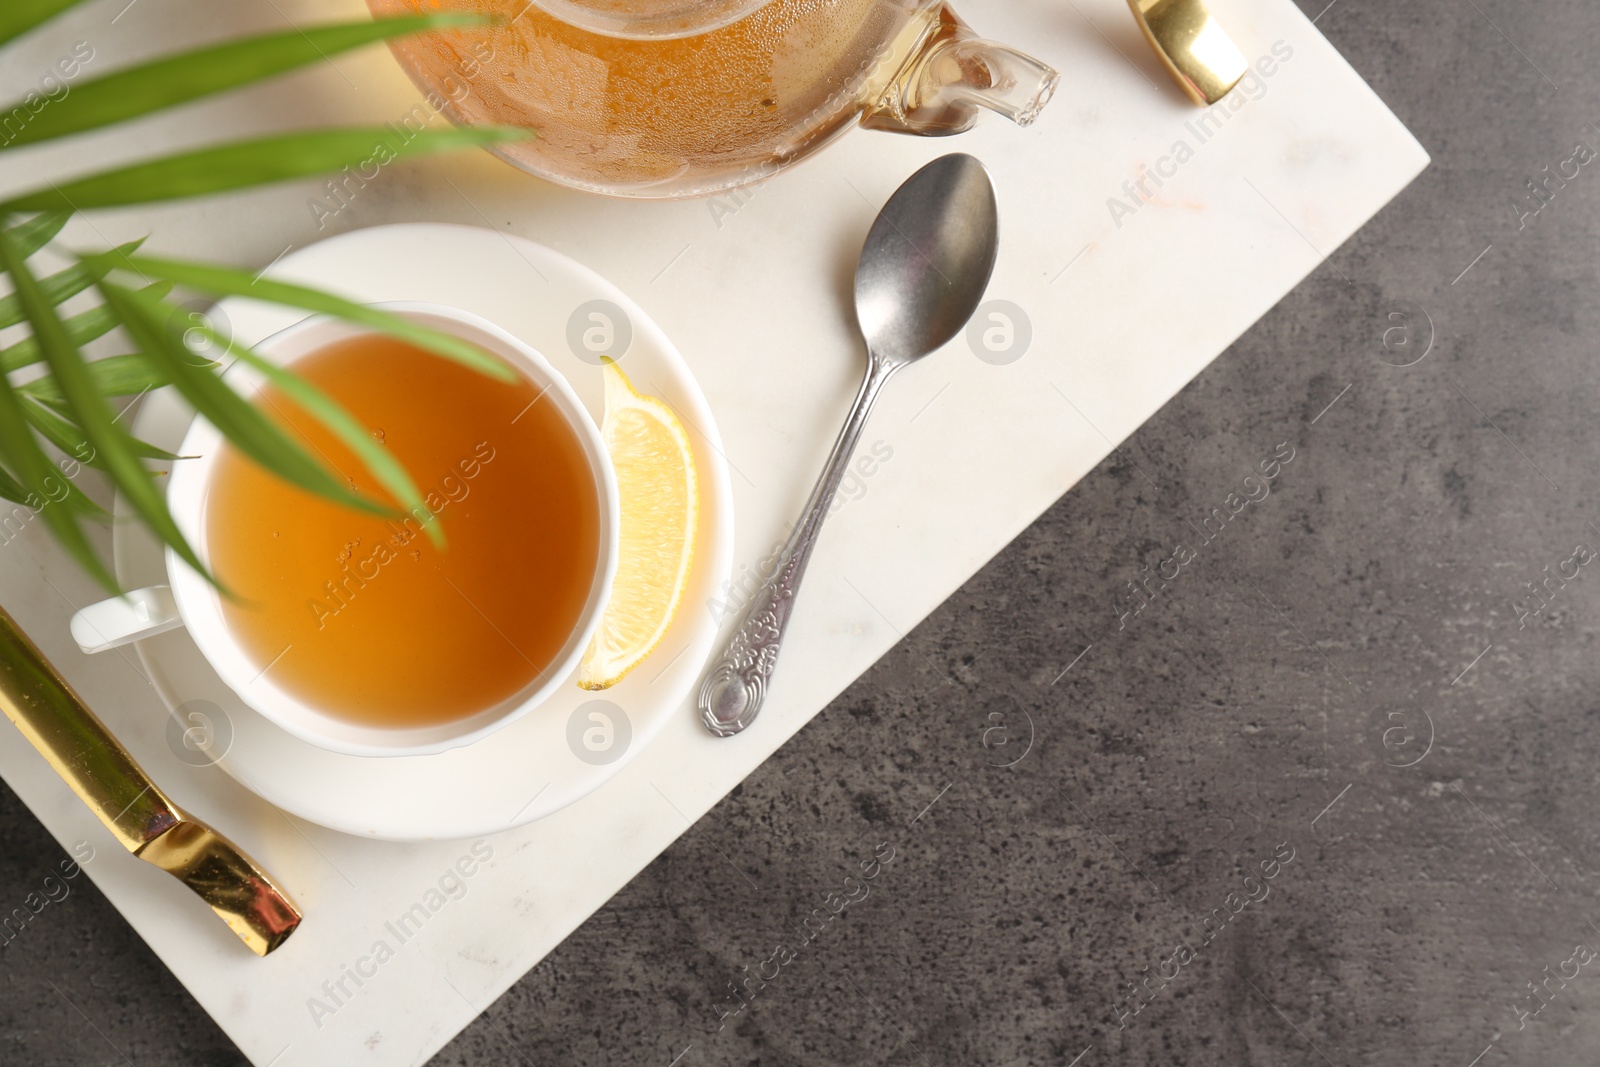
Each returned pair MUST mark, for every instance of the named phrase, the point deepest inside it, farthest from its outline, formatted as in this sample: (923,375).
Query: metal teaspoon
(922,273)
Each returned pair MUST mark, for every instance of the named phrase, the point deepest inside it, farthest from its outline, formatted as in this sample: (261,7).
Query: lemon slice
(657,489)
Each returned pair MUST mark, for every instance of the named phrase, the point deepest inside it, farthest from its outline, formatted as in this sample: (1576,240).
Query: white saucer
(532,767)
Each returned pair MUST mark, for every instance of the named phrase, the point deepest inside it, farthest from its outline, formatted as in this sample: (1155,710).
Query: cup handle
(125,619)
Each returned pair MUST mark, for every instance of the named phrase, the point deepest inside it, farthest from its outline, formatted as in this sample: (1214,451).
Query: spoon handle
(733,692)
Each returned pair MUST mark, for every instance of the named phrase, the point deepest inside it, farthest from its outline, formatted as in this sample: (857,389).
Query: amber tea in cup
(363,617)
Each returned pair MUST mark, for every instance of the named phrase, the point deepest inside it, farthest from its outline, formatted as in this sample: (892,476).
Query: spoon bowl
(927,259)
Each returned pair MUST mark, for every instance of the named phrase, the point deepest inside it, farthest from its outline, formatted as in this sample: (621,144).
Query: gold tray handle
(1193,46)
(77,744)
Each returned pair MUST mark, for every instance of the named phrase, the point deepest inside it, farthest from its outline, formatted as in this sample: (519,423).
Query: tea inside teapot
(661,106)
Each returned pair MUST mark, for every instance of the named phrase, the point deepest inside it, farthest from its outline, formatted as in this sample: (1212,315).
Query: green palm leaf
(83,327)
(72,440)
(243,164)
(109,440)
(11,489)
(129,375)
(188,76)
(38,482)
(38,231)
(229,281)
(251,431)
(17,17)
(60,285)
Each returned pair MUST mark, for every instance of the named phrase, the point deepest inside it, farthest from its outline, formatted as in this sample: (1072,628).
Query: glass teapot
(678,98)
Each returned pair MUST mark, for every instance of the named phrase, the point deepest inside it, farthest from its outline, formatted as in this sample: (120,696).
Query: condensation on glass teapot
(678,98)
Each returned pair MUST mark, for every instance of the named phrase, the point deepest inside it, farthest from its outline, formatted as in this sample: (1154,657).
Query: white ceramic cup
(190,601)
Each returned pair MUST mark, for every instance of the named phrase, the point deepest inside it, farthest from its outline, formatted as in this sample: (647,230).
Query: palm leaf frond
(11,489)
(110,441)
(38,484)
(83,327)
(35,233)
(128,375)
(245,164)
(230,281)
(244,425)
(61,285)
(17,17)
(68,437)
(186,76)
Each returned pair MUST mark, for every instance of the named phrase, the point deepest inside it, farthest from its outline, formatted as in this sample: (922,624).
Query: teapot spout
(951,76)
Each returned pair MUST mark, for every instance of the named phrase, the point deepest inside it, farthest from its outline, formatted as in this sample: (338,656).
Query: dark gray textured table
(1355,673)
